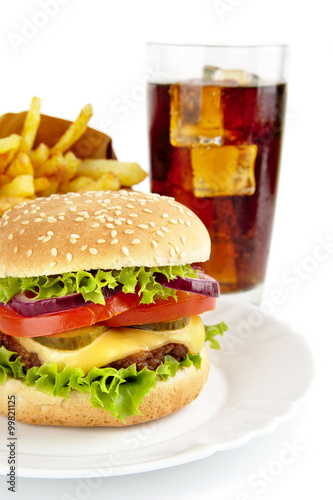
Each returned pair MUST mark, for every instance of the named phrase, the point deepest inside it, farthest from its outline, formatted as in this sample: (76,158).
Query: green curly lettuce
(118,391)
(211,331)
(91,283)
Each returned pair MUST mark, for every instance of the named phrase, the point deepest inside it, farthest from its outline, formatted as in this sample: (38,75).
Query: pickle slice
(163,326)
(72,339)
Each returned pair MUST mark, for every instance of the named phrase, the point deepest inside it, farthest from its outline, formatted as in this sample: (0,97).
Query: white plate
(262,372)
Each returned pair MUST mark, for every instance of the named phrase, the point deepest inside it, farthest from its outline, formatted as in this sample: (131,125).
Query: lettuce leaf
(91,283)
(212,331)
(118,391)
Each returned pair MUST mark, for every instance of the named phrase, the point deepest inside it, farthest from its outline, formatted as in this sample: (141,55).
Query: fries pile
(26,173)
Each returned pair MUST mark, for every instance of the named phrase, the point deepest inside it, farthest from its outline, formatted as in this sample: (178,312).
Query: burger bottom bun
(33,407)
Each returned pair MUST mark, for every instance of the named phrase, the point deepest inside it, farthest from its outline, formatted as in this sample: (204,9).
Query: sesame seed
(54,252)
(188,223)
(135,242)
(84,247)
(5,223)
(173,221)
(130,206)
(15,249)
(147,210)
(180,221)
(29,253)
(38,219)
(95,224)
(172,252)
(132,215)
(118,222)
(160,233)
(158,259)
(189,213)
(114,233)
(61,217)
(50,233)
(129,221)
(52,264)
(100,241)
(110,226)
(93,251)
(10,236)
(183,240)
(75,236)
(154,243)
(152,224)
(114,242)
(78,219)
(165,229)
(125,250)
(72,240)
(117,212)
(23,222)
(165,216)
(143,226)
(17,218)
(46,239)
(51,219)
(69,257)
(26,212)
(128,231)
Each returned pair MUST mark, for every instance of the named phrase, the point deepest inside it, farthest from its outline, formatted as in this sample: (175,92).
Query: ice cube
(224,171)
(229,77)
(195,115)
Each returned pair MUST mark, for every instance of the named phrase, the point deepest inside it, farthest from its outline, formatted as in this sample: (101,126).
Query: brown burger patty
(149,359)
(29,359)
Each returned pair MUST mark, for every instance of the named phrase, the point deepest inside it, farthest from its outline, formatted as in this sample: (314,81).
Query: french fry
(4,179)
(22,185)
(72,164)
(39,155)
(53,187)
(8,147)
(10,143)
(128,173)
(78,185)
(107,182)
(20,166)
(30,127)
(54,166)
(41,184)
(7,202)
(74,131)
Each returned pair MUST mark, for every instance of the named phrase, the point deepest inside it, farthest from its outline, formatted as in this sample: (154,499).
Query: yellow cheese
(117,343)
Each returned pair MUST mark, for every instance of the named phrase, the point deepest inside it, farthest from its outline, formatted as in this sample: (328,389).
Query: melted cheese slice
(117,343)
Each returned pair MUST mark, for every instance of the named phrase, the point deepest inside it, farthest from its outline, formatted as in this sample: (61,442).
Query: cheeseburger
(99,305)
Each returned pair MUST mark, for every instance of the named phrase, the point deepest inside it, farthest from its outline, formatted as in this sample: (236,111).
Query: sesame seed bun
(99,230)
(35,407)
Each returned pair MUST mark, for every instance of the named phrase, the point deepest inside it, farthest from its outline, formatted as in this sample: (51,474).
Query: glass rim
(263,45)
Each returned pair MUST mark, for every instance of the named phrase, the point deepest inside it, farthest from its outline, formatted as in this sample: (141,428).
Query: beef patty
(149,359)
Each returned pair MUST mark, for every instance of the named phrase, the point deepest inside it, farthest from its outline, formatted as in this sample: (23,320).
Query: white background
(94,51)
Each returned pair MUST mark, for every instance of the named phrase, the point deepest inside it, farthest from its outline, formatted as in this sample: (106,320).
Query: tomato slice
(120,310)
(188,304)
(14,324)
